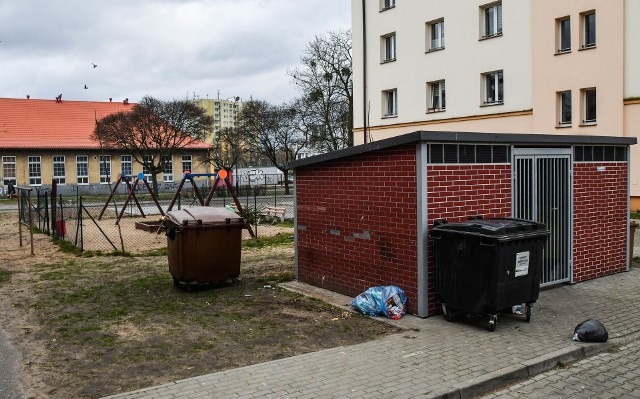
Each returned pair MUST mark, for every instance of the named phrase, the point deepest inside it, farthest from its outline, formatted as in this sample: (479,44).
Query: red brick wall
(357,222)
(599,219)
(455,192)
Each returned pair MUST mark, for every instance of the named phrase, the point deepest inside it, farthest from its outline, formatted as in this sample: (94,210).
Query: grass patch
(5,276)
(272,241)
(276,278)
(635,215)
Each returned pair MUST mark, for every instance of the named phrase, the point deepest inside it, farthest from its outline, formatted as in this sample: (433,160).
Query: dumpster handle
(440,222)
(482,244)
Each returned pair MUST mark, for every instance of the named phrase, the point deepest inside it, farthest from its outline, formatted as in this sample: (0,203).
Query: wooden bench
(274,212)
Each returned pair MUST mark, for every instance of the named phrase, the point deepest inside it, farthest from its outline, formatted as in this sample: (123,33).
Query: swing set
(131,187)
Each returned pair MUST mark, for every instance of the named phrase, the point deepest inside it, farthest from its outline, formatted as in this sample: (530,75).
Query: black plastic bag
(591,330)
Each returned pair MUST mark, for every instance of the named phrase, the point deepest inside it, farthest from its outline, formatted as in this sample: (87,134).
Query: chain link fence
(91,224)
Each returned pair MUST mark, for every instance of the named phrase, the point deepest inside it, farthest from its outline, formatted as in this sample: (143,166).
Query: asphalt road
(10,387)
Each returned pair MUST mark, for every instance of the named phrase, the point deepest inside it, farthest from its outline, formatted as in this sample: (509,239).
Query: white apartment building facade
(510,66)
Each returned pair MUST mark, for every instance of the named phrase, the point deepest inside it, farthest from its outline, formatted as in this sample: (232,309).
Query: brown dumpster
(203,245)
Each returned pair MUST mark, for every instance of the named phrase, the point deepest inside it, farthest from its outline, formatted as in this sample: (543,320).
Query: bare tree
(326,82)
(153,131)
(228,149)
(276,131)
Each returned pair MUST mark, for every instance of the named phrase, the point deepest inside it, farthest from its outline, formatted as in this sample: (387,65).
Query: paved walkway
(434,358)
(608,375)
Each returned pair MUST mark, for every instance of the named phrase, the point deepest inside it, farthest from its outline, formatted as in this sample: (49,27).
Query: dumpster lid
(493,226)
(206,214)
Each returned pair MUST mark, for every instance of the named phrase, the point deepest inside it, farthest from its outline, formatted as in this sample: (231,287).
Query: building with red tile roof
(42,140)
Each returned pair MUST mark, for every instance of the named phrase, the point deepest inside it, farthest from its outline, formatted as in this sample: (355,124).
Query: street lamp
(235,120)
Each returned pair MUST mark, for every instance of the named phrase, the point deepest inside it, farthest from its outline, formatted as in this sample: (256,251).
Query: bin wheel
(447,312)
(176,283)
(493,322)
(528,313)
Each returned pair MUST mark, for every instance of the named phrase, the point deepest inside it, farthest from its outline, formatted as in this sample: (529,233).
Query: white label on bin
(522,263)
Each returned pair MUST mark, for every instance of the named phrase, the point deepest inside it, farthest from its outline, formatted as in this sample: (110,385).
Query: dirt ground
(88,327)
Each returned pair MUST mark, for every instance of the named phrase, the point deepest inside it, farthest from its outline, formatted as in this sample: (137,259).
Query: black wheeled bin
(203,245)
(486,266)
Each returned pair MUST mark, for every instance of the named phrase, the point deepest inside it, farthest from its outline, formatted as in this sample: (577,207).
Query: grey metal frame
(422,229)
(544,200)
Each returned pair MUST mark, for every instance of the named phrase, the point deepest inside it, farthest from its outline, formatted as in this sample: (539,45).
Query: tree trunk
(154,181)
(286,181)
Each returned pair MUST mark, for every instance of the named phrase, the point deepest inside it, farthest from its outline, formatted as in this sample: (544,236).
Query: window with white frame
(388,47)
(105,169)
(390,103)
(564,108)
(82,169)
(148,160)
(588,29)
(435,35)
(167,171)
(436,96)
(589,103)
(491,20)
(9,170)
(126,165)
(186,163)
(35,171)
(59,169)
(387,4)
(563,33)
(493,87)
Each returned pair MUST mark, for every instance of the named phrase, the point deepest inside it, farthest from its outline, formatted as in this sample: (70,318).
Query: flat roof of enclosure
(549,140)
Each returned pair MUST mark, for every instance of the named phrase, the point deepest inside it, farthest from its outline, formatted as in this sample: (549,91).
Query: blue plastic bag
(389,301)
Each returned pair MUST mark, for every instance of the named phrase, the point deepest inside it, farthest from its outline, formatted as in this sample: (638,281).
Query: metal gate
(542,192)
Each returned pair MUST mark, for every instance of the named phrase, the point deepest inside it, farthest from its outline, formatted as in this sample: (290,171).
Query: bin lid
(205,214)
(494,227)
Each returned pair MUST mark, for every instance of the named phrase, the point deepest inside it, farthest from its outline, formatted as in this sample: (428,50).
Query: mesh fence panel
(85,222)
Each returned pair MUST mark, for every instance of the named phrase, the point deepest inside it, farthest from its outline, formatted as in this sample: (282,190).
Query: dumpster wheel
(528,312)
(493,322)
(447,312)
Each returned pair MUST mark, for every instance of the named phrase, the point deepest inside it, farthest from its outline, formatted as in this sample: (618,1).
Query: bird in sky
(85,87)
(94,65)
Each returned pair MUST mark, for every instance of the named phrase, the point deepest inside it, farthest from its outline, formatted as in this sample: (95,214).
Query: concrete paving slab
(435,358)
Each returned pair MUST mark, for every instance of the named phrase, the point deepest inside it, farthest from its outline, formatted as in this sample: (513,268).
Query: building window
(186,164)
(387,4)
(435,35)
(436,96)
(564,108)
(167,172)
(469,153)
(105,169)
(82,169)
(563,33)
(388,47)
(9,170)
(588,29)
(493,85)
(126,165)
(589,106)
(148,160)
(59,170)
(600,153)
(491,16)
(35,171)
(390,103)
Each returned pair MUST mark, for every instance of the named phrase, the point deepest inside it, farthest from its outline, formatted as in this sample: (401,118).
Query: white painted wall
(461,63)
(632,48)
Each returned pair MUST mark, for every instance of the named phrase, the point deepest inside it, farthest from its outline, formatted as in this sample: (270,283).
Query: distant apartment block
(511,66)
(223,112)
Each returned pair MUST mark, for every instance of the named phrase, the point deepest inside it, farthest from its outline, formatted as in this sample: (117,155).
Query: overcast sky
(163,48)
